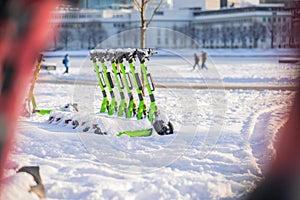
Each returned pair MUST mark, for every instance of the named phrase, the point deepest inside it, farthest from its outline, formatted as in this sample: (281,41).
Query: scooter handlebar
(120,54)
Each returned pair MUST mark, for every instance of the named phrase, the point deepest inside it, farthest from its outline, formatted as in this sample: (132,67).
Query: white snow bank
(17,186)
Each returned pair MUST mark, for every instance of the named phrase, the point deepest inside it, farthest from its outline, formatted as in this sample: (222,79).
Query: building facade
(271,1)
(177,4)
(293,6)
(247,27)
(102,4)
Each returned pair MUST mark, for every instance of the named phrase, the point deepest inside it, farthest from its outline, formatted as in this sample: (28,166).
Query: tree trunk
(143,46)
(143,38)
(55,41)
(142,6)
(143,30)
(66,44)
(272,39)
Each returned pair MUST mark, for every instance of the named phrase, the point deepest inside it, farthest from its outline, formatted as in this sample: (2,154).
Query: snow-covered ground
(254,67)
(224,139)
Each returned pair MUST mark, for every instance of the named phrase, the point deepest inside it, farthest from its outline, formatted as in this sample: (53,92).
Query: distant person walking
(203,58)
(197,59)
(66,61)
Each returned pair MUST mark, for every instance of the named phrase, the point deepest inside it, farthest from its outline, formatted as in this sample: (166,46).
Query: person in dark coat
(66,63)
(203,58)
(196,57)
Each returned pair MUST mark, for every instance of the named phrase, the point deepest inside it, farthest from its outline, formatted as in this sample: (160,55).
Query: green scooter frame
(107,77)
(160,122)
(131,111)
(149,84)
(105,102)
(122,110)
(161,127)
(142,108)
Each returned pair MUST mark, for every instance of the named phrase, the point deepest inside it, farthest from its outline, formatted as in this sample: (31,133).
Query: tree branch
(154,12)
(137,5)
(143,14)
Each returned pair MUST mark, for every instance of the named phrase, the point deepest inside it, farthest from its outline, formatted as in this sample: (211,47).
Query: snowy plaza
(226,123)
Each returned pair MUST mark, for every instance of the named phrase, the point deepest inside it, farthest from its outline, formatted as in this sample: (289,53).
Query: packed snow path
(191,86)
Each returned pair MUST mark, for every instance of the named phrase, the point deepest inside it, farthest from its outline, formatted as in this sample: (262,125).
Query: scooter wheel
(163,129)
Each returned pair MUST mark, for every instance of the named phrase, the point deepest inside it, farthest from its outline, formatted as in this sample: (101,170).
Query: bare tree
(211,32)
(272,28)
(225,34)
(55,41)
(175,36)
(232,35)
(141,6)
(53,31)
(81,33)
(285,32)
(241,35)
(66,36)
(217,36)
(95,34)
(257,31)
(205,34)
(189,32)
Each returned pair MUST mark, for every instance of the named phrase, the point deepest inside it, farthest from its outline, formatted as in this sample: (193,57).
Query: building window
(159,13)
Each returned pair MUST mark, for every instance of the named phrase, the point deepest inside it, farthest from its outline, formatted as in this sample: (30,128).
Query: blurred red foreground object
(24,32)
